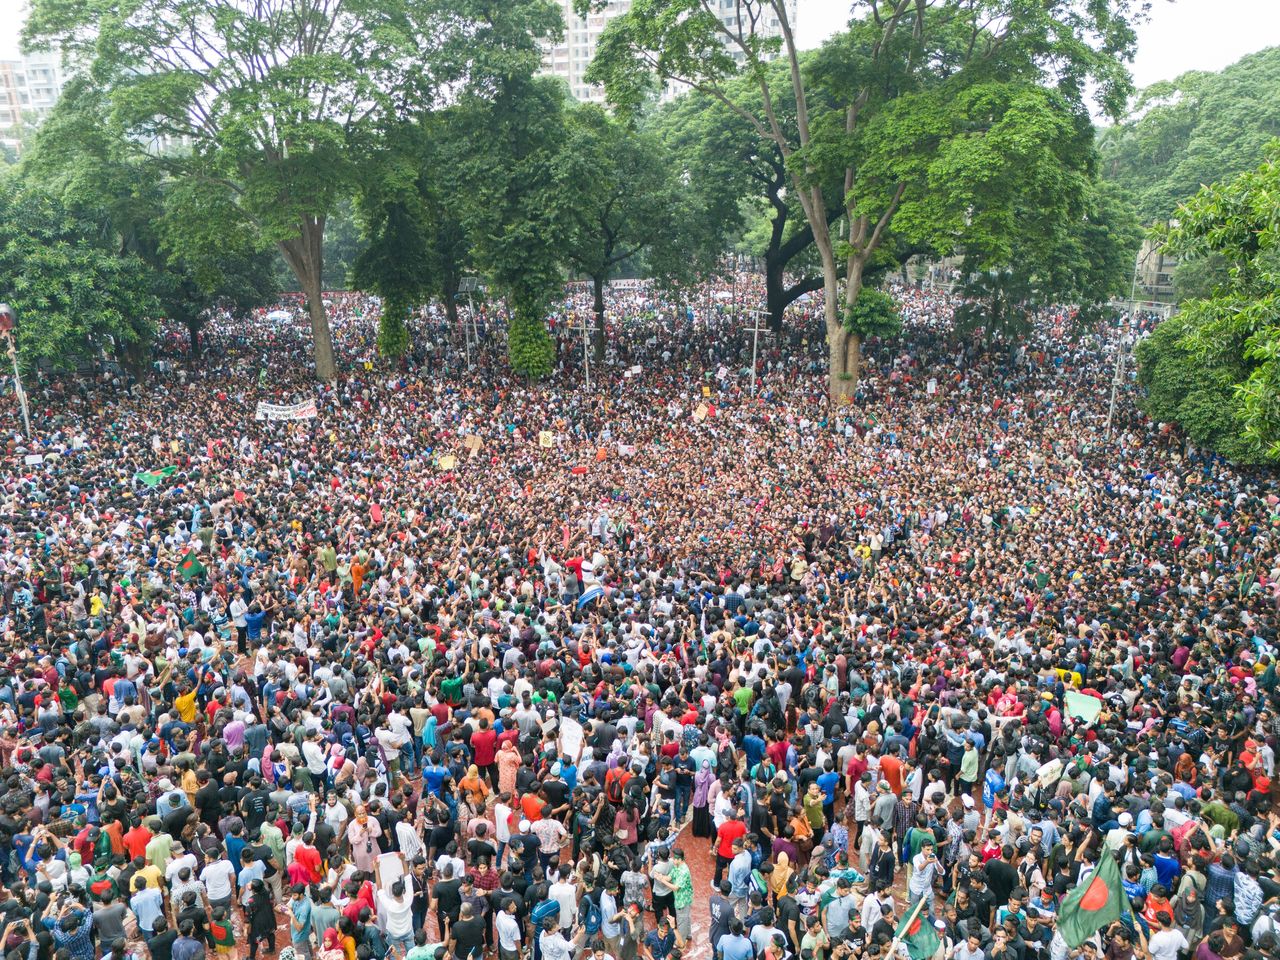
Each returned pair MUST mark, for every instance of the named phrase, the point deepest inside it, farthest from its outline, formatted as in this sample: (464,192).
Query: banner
(627,449)
(290,411)
(1082,706)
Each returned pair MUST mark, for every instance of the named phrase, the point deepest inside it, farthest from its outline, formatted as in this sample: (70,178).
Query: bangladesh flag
(152,477)
(190,566)
(1094,904)
(917,931)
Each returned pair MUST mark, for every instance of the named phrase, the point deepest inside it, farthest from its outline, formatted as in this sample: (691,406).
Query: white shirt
(1165,944)
(217,878)
(396,914)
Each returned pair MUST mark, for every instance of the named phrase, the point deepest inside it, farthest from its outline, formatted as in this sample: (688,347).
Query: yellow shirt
(186,707)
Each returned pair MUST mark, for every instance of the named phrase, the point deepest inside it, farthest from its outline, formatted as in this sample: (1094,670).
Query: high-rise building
(570,58)
(29,87)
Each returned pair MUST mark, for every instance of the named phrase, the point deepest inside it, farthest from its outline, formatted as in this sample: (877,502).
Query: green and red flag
(151,478)
(190,566)
(1094,904)
(919,934)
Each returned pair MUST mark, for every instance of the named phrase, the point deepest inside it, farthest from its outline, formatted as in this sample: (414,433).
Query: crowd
(462,667)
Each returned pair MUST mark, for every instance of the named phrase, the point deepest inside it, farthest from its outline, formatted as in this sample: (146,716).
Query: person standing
(300,914)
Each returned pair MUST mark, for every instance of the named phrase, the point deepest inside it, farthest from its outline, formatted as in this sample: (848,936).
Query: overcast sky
(1181,35)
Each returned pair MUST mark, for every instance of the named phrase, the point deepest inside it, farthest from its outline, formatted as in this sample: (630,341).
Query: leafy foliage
(75,296)
(1198,128)
(1225,348)
(280,100)
(953,124)
(874,314)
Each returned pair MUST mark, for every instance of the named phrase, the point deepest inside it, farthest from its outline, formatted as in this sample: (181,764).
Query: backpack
(614,782)
(591,919)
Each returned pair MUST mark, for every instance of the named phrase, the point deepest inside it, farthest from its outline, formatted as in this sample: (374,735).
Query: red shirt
(484,743)
(729,831)
(309,858)
(136,840)
(891,770)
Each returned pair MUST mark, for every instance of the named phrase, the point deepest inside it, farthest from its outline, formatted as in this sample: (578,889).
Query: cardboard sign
(546,439)
(706,391)
(448,462)
(33,459)
(473,442)
(627,449)
(700,412)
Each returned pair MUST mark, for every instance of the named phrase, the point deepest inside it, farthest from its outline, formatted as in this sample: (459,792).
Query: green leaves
(1199,128)
(1225,347)
(73,294)
(873,314)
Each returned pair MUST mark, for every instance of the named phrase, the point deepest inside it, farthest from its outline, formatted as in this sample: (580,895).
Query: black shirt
(449,897)
(161,945)
(1001,879)
(469,937)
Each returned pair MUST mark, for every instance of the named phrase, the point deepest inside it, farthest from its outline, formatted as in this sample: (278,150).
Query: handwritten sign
(546,439)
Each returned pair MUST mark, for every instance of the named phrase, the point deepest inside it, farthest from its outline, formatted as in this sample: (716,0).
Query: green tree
(279,98)
(75,295)
(1198,128)
(619,199)
(1084,259)
(939,118)
(82,157)
(411,202)
(508,206)
(1224,349)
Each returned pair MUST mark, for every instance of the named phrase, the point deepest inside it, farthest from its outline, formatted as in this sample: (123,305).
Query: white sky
(1181,34)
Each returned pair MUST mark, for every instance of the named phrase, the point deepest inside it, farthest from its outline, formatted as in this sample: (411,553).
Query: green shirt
(743,697)
(274,838)
(683,893)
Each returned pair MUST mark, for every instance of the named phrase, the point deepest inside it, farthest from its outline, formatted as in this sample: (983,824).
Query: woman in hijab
(262,919)
(508,766)
(702,781)
(474,788)
(331,947)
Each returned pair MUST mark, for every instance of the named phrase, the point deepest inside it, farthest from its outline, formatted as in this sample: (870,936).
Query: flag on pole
(1092,905)
(918,933)
(190,566)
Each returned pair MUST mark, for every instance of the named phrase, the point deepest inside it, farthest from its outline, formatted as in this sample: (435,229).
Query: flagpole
(906,924)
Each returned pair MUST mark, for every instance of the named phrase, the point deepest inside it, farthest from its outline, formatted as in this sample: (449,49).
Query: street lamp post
(755,343)
(6,330)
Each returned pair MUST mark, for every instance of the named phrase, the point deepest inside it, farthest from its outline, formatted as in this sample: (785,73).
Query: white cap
(967,800)
(1125,819)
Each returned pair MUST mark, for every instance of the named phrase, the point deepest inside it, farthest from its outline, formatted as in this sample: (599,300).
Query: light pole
(755,343)
(6,330)
(1118,376)
(586,354)
(469,285)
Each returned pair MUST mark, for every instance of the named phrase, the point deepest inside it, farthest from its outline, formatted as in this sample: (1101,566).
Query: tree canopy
(1215,368)
(1196,129)
(279,99)
(942,122)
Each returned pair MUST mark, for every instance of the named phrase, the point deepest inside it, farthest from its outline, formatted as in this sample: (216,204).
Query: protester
(448,664)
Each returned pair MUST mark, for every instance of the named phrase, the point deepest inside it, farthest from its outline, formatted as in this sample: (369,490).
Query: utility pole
(469,285)
(1122,352)
(586,353)
(6,330)
(755,343)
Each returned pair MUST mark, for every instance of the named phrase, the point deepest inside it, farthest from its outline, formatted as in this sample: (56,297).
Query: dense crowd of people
(463,667)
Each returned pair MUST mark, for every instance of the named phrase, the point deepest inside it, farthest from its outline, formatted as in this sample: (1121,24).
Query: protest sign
(546,439)
(700,412)
(289,411)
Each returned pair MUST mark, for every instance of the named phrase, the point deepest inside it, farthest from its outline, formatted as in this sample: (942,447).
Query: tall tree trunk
(193,334)
(597,332)
(774,292)
(305,257)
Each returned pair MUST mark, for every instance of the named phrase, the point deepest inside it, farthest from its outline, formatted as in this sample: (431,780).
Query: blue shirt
(301,910)
(828,782)
(734,947)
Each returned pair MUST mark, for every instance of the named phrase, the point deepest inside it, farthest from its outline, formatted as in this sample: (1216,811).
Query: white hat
(1125,819)
(967,800)
(524,826)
